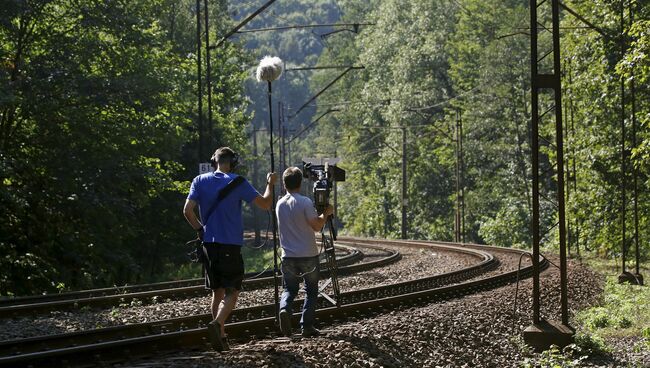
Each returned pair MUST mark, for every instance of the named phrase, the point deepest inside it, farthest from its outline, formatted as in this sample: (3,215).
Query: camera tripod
(327,242)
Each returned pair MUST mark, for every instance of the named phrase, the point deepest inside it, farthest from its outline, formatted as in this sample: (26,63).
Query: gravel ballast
(415,263)
(474,331)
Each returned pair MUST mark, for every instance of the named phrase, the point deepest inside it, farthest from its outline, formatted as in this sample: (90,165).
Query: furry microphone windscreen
(269,69)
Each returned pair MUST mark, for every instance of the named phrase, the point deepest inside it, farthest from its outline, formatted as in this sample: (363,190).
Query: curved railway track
(31,305)
(126,342)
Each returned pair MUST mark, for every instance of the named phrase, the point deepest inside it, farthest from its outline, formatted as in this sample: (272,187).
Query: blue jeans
(293,270)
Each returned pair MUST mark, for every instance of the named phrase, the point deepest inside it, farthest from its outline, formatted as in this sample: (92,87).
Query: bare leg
(226,306)
(217,298)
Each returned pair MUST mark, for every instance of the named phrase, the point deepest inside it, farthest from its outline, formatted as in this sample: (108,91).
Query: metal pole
(404,197)
(243,23)
(559,138)
(535,156)
(635,168)
(635,188)
(623,155)
(566,165)
(573,161)
(282,131)
(273,219)
(336,202)
(462,186)
(285,163)
(457,219)
(289,162)
(199,79)
(208,71)
(256,223)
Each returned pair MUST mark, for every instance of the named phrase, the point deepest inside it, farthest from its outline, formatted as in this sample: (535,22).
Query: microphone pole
(273,219)
(270,69)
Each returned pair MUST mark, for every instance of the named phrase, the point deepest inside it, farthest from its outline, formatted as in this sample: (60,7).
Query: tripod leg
(331,264)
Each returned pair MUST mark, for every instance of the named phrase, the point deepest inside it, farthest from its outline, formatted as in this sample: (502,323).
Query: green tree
(96,115)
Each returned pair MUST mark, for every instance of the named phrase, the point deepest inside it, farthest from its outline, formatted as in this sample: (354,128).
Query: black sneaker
(310,332)
(285,322)
(214,333)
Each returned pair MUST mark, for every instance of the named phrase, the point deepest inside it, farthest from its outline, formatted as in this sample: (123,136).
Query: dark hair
(223,155)
(292,178)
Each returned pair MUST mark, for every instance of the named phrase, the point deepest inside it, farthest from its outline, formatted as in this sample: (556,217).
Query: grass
(623,314)
(612,266)
(625,309)
(257,260)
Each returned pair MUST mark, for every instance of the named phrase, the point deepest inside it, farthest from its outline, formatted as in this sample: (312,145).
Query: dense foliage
(97,110)
(430,66)
(595,68)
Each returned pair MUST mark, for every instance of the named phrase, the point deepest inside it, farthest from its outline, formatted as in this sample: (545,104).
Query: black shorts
(225,267)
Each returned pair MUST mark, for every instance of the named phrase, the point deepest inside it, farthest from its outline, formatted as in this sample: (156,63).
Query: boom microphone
(270,69)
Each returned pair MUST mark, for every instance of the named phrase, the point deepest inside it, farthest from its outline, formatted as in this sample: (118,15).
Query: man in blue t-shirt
(297,222)
(222,232)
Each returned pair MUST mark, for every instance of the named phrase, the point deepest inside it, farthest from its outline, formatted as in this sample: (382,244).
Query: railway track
(49,342)
(38,304)
(89,347)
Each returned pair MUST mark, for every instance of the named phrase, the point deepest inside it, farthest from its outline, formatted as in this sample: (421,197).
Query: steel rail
(26,299)
(48,342)
(351,255)
(112,296)
(196,337)
(187,328)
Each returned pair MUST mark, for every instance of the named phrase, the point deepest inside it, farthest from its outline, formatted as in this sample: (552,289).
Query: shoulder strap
(222,194)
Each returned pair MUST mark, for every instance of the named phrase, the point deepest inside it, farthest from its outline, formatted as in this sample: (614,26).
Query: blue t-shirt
(226,224)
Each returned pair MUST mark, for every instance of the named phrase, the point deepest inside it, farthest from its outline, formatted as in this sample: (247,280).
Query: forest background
(99,129)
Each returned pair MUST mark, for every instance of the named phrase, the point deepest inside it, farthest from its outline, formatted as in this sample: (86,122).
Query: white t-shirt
(297,238)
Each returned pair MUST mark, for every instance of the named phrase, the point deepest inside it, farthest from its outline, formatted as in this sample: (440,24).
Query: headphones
(227,152)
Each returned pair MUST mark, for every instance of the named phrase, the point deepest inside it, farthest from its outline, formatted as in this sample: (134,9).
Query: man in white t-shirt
(297,222)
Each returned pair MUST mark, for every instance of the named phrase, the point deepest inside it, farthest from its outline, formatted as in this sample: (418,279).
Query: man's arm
(190,215)
(266,201)
(317,223)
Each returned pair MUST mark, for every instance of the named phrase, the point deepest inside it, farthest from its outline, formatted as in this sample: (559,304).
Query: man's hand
(200,233)
(266,201)
(328,210)
(271,178)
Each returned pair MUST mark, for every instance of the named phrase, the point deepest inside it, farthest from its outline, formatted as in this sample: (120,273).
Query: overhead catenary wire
(242,23)
(385,101)
(304,26)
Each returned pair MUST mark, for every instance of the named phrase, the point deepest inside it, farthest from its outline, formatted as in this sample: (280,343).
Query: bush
(589,344)
(596,318)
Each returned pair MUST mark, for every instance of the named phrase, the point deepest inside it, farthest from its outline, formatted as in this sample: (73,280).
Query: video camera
(323,172)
